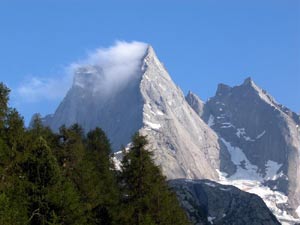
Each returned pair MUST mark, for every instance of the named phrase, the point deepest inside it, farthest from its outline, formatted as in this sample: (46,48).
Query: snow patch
(162,87)
(272,198)
(248,179)
(154,126)
(211,121)
(146,115)
(244,167)
(298,210)
(210,184)
(160,113)
(117,158)
(211,219)
(226,125)
(248,138)
(242,133)
(225,189)
(117,163)
(146,77)
(261,134)
(272,169)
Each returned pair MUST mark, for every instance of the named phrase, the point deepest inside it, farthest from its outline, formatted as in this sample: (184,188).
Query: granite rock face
(262,137)
(240,137)
(183,145)
(196,103)
(119,114)
(208,202)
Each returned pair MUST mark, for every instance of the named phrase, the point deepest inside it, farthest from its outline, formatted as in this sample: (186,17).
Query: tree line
(68,178)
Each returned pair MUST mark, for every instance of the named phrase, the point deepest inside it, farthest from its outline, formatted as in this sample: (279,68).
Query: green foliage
(103,198)
(11,211)
(146,197)
(51,197)
(69,178)
(14,130)
(4,92)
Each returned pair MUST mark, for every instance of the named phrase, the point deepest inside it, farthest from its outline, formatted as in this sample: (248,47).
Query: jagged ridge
(263,139)
(151,103)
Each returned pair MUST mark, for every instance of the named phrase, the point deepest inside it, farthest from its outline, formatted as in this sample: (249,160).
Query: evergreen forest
(69,178)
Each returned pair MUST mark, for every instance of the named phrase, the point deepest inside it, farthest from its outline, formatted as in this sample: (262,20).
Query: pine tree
(67,178)
(15,131)
(38,129)
(147,199)
(33,189)
(4,97)
(103,198)
(99,149)
(70,151)
(13,211)
(86,162)
(52,198)
(13,202)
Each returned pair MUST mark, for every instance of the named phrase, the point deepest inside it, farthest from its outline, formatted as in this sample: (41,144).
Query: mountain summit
(147,101)
(263,138)
(240,137)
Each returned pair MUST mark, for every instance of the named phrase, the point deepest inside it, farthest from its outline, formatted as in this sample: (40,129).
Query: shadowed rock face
(250,118)
(247,118)
(119,114)
(196,103)
(208,202)
(183,145)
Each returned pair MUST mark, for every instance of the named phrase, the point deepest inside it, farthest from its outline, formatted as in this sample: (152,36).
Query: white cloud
(112,67)
(37,89)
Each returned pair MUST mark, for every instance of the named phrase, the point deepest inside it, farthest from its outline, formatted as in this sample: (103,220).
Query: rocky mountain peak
(248,81)
(150,53)
(151,60)
(251,86)
(256,92)
(193,96)
(195,102)
(248,139)
(262,136)
(124,96)
(223,89)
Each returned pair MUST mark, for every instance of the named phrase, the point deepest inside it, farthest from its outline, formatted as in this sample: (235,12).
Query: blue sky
(202,43)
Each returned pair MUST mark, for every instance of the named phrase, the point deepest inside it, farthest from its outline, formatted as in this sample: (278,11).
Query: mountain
(263,139)
(209,202)
(240,137)
(120,113)
(196,103)
(148,102)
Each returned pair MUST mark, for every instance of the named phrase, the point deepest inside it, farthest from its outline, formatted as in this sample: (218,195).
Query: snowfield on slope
(248,179)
